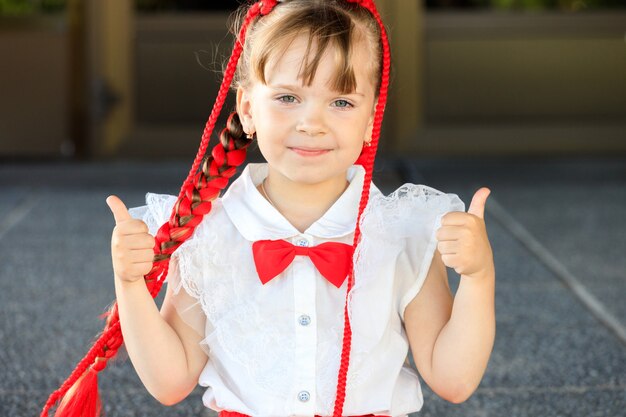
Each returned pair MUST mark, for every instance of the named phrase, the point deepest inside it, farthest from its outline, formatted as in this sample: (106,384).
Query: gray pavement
(555,354)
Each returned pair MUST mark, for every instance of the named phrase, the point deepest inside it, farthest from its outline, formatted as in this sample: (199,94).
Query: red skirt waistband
(225,413)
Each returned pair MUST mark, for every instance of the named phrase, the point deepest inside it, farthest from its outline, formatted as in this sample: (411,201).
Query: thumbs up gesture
(462,239)
(132,247)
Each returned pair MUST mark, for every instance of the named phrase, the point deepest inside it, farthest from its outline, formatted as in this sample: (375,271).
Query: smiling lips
(309,152)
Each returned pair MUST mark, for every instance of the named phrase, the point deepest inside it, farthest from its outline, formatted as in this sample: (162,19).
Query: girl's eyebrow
(295,87)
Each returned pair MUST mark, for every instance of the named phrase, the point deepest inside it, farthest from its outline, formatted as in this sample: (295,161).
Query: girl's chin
(309,175)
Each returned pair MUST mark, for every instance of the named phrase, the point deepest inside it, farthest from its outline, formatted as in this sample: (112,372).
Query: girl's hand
(463,241)
(131,245)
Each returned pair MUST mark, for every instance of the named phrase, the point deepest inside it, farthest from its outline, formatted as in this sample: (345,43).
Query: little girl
(299,291)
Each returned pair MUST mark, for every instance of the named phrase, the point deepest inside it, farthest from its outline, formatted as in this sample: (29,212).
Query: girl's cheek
(277,113)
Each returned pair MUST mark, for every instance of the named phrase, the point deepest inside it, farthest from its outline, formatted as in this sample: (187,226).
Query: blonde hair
(327,23)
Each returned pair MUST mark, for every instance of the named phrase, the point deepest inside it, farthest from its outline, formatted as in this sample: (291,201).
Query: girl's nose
(312,121)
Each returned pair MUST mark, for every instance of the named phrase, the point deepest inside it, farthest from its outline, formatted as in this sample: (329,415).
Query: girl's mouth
(310,152)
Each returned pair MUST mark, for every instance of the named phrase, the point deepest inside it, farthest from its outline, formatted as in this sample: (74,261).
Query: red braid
(367,158)
(79,392)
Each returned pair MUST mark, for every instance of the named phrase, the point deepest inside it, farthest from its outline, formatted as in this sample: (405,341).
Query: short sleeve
(414,213)
(155,213)
(404,223)
(188,307)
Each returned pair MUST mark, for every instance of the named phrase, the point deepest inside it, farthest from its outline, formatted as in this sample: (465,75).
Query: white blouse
(274,349)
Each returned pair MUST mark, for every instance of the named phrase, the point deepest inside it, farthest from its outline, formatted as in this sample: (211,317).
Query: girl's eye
(348,104)
(287,96)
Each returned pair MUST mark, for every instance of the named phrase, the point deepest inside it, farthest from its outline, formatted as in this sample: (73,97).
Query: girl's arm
(451,339)
(166,356)
(164,350)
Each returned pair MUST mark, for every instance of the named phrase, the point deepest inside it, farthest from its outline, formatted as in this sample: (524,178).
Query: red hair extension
(79,393)
(367,157)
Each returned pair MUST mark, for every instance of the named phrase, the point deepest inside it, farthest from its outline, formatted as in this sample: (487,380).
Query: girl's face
(309,134)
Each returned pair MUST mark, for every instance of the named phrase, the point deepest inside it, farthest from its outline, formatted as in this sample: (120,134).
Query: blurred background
(94,79)
(525,97)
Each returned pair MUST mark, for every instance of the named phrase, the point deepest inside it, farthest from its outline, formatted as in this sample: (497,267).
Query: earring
(250,135)
(368,143)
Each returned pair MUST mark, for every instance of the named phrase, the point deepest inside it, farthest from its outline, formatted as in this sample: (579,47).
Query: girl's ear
(244,109)
(370,122)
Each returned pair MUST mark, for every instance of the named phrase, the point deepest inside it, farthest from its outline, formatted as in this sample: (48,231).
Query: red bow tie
(332,259)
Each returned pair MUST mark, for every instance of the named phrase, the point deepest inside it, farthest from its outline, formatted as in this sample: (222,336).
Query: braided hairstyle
(257,23)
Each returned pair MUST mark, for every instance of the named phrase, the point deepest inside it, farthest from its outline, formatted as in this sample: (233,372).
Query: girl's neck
(302,204)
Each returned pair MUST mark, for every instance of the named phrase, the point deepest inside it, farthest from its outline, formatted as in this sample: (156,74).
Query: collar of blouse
(256,219)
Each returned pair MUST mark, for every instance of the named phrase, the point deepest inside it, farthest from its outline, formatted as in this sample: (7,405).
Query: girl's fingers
(139,256)
(448,233)
(454,218)
(448,259)
(141,269)
(129,257)
(131,227)
(140,241)
(447,247)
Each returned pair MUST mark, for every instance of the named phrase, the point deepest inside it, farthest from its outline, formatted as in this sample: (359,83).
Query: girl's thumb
(120,213)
